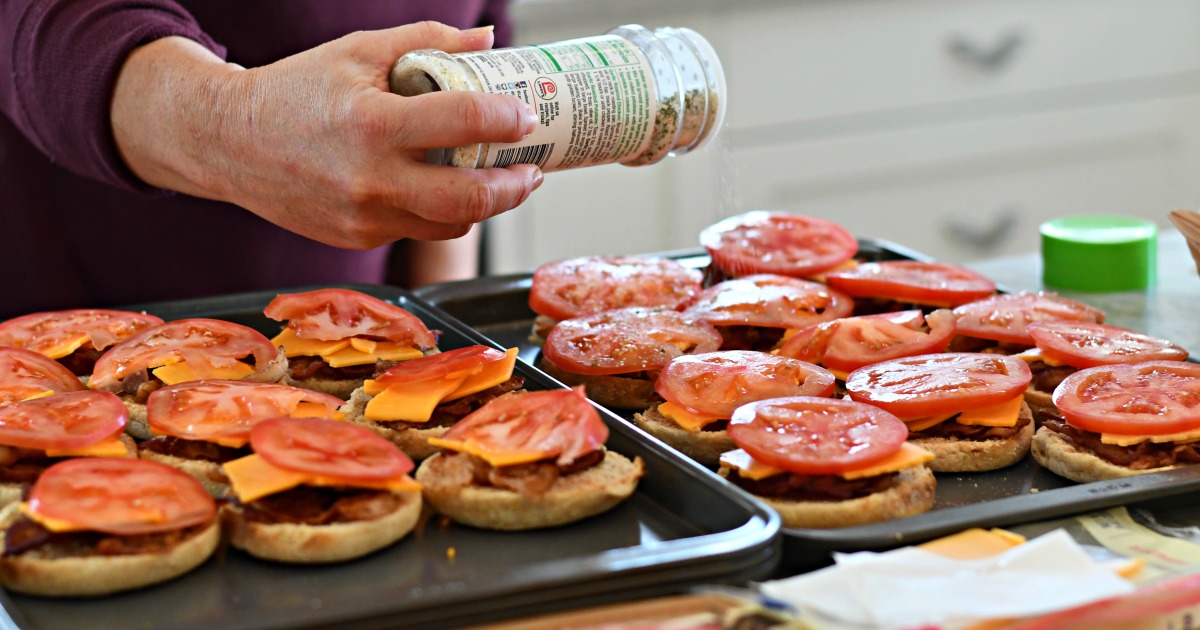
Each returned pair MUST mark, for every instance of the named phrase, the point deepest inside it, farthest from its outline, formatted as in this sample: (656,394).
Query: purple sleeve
(58,66)
(496,13)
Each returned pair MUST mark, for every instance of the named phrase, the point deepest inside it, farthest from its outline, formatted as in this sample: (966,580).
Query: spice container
(632,95)
(1099,253)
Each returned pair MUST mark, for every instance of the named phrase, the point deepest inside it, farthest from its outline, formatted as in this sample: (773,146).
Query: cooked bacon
(23,465)
(193,449)
(1142,456)
(750,337)
(142,393)
(25,535)
(305,368)
(794,487)
(311,505)
(952,429)
(81,361)
(529,479)
(1046,378)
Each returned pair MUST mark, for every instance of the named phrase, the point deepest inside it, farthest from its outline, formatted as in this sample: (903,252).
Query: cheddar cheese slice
(684,418)
(253,478)
(1035,354)
(381,350)
(747,466)
(1004,414)
(180,372)
(495,458)
(64,347)
(1121,439)
(109,447)
(907,456)
(52,524)
(306,409)
(920,424)
(490,375)
(294,346)
(410,402)
(974,543)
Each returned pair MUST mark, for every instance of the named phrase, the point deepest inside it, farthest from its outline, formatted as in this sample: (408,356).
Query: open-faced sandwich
(781,243)
(846,344)
(75,338)
(700,392)
(39,432)
(1123,420)
(199,425)
(897,285)
(967,408)
(528,461)
(26,374)
(180,351)
(337,338)
(997,323)
(318,491)
(617,355)
(828,462)
(422,398)
(98,525)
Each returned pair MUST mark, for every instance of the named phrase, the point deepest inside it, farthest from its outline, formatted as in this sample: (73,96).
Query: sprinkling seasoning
(632,95)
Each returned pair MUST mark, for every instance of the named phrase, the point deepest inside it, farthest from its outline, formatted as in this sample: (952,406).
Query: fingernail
(480,30)
(531,121)
(538,177)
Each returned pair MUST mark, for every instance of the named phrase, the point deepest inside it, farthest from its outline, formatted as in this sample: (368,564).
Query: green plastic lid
(1099,253)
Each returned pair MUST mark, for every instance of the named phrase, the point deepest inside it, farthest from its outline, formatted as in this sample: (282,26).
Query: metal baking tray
(680,528)
(499,308)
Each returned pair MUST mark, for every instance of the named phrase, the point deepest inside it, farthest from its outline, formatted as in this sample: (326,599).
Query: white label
(593,97)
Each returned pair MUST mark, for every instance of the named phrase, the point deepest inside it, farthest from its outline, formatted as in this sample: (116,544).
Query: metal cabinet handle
(986,58)
(981,236)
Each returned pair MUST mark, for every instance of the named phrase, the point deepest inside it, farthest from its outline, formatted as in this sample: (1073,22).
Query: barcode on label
(533,154)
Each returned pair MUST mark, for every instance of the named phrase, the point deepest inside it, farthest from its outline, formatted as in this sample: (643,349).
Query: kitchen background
(952,127)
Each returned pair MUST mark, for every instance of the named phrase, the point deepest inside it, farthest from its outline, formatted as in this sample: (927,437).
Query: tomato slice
(934,384)
(225,411)
(716,383)
(771,301)
(1003,317)
(816,436)
(1084,345)
(934,284)
(627,340)
(852,342)
(25,374)
(121,495)
(591,284)
(328,448)
(440,364)
(62,421)
(335,314)
(559,423)
(51,331)
(197,341)
(1151,398)
(777,242)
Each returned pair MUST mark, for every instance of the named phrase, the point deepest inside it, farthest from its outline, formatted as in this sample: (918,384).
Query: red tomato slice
(121,495)
(558,422)
(852,342)
(200,342)
(328,448)
(1004,317)
(816,436)
(935,384)
(584,286)
(716,383)
(627,340)
(25,374)
(62,421)
(777,242)
(335,314)
(1151,398)
(225,411)
(440,364)
(935,284)
(771,301)
(43,332)
(1084,345)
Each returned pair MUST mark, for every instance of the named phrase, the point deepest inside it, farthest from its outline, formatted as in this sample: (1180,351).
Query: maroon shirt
(78,228)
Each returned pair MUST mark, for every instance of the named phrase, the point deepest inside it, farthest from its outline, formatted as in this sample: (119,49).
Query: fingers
(410,37)
(452,119)
(460,195)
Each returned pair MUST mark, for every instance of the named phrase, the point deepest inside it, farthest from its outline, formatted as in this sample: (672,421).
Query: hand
(316,143)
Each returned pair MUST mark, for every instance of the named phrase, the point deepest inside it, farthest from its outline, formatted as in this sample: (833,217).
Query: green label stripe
(552,59)
(599,54)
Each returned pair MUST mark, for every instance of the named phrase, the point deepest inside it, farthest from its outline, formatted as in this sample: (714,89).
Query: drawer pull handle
(986,58)
(984,237)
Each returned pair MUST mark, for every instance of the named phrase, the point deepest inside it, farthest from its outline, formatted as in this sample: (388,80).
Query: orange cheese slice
(65,347)
(495,458)
(747,466)
(1035,354)
(1121,439)
(839,374)
(109,447)
(380,350)
(42,394)
(920,424)
(253,478)
(490,375)
(974,543)
(306,409)
(907,456)
(684,418)
(294,346)
(51,524)
(1004,414)
(181,372)
(410,402)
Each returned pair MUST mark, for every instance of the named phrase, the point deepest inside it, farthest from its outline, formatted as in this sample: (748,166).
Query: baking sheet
(682,527)
(498,307)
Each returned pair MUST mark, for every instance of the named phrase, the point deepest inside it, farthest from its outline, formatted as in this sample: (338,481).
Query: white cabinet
(951,127)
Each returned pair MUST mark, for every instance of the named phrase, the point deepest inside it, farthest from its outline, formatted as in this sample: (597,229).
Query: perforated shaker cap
(1099,253)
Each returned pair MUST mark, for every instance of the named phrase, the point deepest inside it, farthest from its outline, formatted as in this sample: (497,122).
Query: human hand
(316,143)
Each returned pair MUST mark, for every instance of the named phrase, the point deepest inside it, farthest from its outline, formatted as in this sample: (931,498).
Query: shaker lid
(1099,253)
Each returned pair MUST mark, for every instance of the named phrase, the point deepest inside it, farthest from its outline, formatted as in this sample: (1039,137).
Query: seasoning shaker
(632,96)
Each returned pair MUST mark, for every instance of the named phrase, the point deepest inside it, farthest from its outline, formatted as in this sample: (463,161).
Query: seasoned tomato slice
(328,448)
(1151,398)
(852,342)
(335,314)
(627,340)
(201,342)
(591,284)
(933,384)
(716,383)
(816,436)
(62,421)
(1003,317)
(459,360)
(553,423)
(934,284)
(121,495)
(771,301)
(27,374)
(57,334)
(224,411)
(1084,345)
(777,242)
